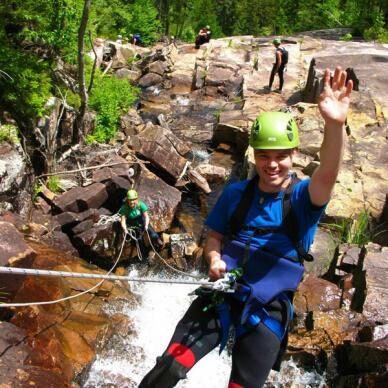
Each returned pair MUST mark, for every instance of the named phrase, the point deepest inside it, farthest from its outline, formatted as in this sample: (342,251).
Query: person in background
(281,60)
(264,254)
(134,215)
(135,39)
(203,36)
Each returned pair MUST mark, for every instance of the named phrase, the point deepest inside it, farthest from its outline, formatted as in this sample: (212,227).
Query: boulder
(13,249)
(163,149)
(150,79)
(315,294)
(79,199)
(162,199)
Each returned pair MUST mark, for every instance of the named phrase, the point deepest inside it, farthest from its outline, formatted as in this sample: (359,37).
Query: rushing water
(162,305)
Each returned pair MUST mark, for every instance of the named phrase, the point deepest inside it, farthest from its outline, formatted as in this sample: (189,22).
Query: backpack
(289,223)
(284,56)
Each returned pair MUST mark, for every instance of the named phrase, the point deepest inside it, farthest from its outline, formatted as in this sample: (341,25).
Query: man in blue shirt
(262,249)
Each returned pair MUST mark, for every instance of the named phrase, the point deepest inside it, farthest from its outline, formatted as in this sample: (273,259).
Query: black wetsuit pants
(198,332)
(280,73)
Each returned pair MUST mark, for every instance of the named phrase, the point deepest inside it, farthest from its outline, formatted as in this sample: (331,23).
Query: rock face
(49,345)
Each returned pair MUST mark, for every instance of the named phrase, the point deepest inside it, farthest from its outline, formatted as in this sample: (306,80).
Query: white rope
(66,274)
(168,265)
(105,220)
(9,269)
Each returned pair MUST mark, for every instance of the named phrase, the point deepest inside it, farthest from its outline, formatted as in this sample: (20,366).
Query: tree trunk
(78,133)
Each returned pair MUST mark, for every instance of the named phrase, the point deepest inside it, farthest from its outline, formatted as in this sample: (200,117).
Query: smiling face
(132,203)
(273,167)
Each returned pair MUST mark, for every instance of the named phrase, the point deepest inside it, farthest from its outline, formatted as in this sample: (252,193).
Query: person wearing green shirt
(134,215)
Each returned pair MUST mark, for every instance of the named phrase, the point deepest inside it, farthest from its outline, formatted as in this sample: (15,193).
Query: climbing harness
(266,277)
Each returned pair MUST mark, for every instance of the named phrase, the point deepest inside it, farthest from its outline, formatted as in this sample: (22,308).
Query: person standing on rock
(203,36)
(134,216)
(260,231)
(281,60)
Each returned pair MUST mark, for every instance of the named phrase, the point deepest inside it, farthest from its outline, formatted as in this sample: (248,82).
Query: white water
(161,308)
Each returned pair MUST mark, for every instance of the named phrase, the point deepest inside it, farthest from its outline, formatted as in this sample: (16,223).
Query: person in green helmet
(281,60)
(134,215)
(259,234)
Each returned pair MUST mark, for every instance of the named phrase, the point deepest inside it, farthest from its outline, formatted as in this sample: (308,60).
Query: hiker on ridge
(203,36)
(281,60)
(260,232)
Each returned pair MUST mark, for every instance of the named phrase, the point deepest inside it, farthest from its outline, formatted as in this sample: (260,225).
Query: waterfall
(162,305)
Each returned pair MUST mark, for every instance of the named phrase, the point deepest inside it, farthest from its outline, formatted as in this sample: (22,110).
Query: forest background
(37,36)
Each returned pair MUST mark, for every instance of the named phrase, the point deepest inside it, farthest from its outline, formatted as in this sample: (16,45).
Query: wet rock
(17,368)
(340,325)
(315,294)
(363,357)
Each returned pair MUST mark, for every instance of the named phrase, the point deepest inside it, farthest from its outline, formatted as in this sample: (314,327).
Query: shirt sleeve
(122,211)
(307,214)
(219,217)
(143,207)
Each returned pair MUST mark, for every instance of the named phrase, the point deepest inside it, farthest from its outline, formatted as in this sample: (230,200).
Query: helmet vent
(290,133)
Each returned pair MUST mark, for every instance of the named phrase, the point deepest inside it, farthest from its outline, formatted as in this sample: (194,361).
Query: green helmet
(277,41)
(274,131)
(132,194)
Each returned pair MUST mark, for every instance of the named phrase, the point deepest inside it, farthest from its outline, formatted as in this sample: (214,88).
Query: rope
(168,265)
(66,274)
(105,220)
(103,277)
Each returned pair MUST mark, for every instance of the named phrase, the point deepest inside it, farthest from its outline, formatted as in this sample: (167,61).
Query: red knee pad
(182,354)
(234,385)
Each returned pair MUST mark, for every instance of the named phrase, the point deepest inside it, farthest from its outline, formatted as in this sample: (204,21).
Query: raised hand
(335,98)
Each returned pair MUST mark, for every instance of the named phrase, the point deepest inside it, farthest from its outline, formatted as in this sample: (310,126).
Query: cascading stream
(161,306)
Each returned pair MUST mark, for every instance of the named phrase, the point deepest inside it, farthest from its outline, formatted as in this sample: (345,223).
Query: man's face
(131,203)
(273,167)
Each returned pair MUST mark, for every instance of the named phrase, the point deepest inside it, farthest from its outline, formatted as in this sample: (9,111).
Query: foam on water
(161,308)
(162,305)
